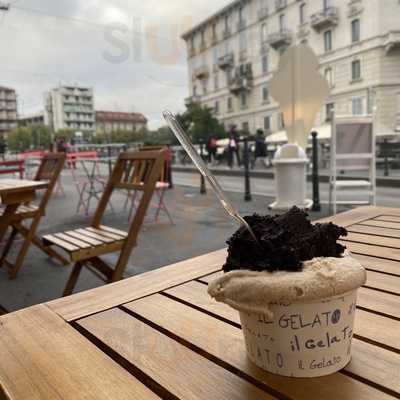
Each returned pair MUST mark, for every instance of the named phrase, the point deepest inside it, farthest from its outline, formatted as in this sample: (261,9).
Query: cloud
(129,51)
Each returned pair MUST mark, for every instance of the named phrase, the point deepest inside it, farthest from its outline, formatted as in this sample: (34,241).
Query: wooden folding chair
(49,170)
(161,186)
(133,171)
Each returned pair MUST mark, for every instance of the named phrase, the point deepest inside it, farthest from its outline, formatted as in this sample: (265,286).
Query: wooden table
(13,193)
(159,335)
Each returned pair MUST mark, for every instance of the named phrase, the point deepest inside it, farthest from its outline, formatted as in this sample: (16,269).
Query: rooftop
(214,16)
(4,88)
(120,116)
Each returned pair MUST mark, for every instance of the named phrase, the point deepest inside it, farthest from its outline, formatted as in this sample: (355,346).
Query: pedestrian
(233,147)
(260,150)
(212,144)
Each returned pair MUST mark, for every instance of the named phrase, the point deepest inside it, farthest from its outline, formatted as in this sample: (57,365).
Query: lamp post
(315,176)
(246,161)
(203,189)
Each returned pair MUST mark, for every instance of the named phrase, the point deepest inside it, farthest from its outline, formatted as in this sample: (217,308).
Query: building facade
(233,54)
(70,107)
(33,119)
(110,121)
(8,110)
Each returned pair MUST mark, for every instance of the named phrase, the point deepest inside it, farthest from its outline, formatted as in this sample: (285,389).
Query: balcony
(226,61)
(279,39)
(242,81)
(239,85)
(201,73)
(392,42)
(262,13)
(226,33)
(192,99)
(280,4)
(241,25)
(324,19)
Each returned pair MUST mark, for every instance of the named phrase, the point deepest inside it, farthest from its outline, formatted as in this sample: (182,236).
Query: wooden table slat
(374,251)
(389,218)
(105,297)
(379,264)
(42,357)
(225,342)
(374,230)
(179,370)
(372,240)
(383,224)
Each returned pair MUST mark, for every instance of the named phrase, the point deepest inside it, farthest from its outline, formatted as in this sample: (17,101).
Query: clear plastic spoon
(187,144)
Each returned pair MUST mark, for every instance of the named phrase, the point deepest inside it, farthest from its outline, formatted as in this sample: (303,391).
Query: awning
(324,132)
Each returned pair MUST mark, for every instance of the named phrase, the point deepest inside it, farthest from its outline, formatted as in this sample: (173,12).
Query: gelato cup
(302,339)
(297,324)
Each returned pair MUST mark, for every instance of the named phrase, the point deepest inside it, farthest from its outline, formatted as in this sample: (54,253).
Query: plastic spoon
(187,144)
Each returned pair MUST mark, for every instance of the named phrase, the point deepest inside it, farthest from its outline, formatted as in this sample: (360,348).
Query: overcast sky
(129,51)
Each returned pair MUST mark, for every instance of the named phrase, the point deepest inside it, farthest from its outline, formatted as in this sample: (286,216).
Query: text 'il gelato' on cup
(302,339)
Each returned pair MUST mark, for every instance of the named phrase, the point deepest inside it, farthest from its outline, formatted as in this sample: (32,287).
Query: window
(216,81)
(355,31)
(202,42)
(226,21)
(329,107)
(329,77)
(265,94)
(243,100)
(282,22)
(327,4)
(264,33)
(242,41)
(245,127)
(355,70)
(240,14)
(216,107)
(267,123)
(264,64)
(214,32)
(328,41)
(302,13)
(194,90)
(215,55)
(204,87)
(357,105)
(229,104)
(281,121)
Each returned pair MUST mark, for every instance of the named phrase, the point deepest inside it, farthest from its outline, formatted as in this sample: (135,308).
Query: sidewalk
(385,181)
(201,226)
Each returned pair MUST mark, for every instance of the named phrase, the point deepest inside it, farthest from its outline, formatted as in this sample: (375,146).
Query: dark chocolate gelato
(285,241)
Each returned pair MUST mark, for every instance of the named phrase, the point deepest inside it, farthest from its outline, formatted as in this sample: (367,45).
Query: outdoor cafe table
(13,193)
(159,335)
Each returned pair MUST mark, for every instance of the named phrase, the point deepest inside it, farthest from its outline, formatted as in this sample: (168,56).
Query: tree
(200,123)
(32,137)
(19,139)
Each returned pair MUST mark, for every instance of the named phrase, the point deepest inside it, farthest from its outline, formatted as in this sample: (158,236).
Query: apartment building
(110,121)
(233,54)
(32,119)
(8,110)
(70,107)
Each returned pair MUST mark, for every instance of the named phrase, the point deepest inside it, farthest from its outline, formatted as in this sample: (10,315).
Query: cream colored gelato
(321,278)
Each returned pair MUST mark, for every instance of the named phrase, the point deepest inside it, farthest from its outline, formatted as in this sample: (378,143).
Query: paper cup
(303,339)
